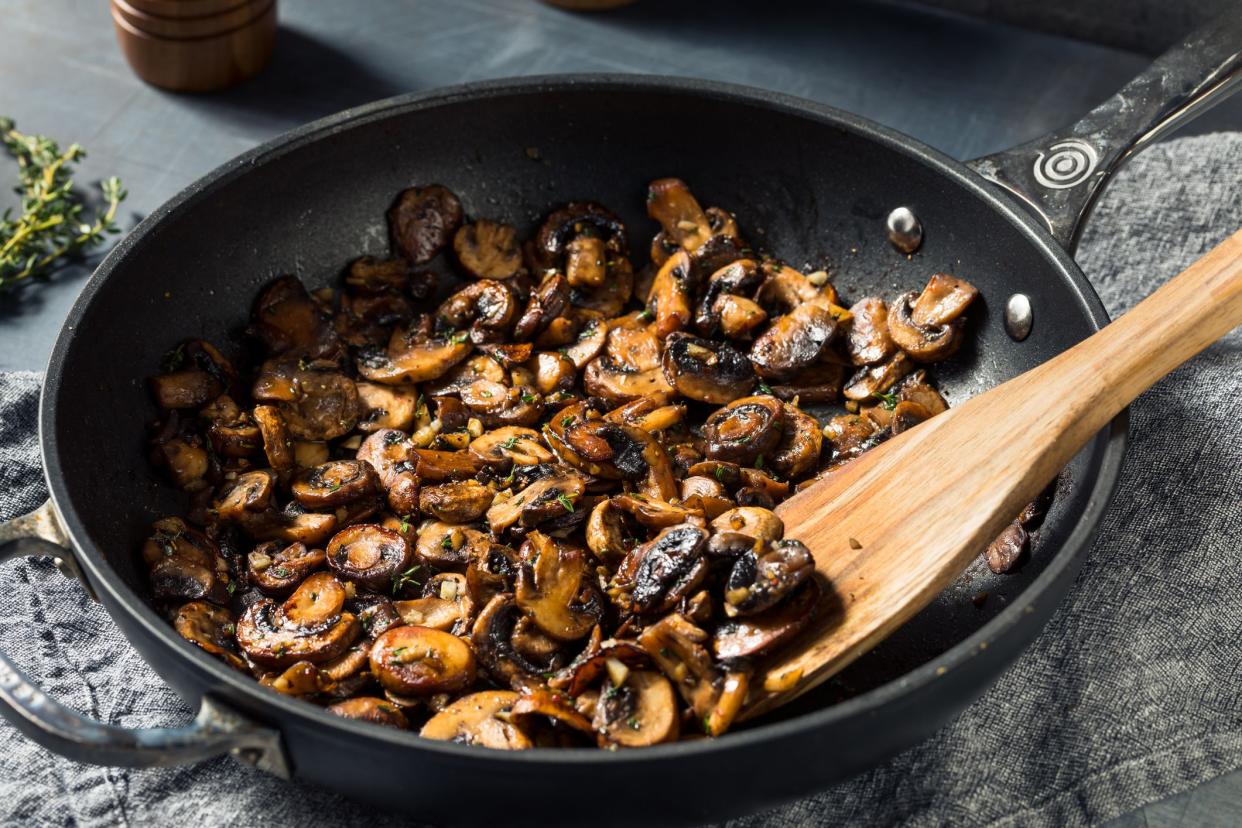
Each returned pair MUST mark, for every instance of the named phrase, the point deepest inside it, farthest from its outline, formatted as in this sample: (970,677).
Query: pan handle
(215,731)
(1060,175)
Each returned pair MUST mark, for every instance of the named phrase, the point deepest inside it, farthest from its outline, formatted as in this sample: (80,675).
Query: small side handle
(1060,175)
(215,731)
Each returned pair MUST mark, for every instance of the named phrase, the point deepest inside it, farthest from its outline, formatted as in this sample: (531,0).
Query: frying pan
(807,181)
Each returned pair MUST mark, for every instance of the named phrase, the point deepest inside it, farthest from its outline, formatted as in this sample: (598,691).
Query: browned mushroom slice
(929,327)
(286,318)
(867,340)
(760,581)
(555,707)
(670,202)
(209,627)
(738,316)
(268,639)
(336,483)
(715,695)
(706,495)
(547,302)
(479,719)
(491,568)
(416,354)
(552,372)
(446,605)
(801,443)
(440,466)
(765,632)
(293,526)
(545,499)
(592,336)
(492,639)
(607,534)
(610,298)
(873,380)
(640,712)
(606,449)
(315,604)
(652,413)
(671,295)
(388,451)
(463,501)
(248,496)
(488,249)
(510,445)
(370,709)
(369,555)
(659,573)
(419,661)
(850,435)
(916,389)
(706,370)
(185,460)
(576,220)
(654,513)
(488,308)
(628,369)
(376,613)
(784,289)
(614,659)
(299,679)
(364,319)
(277,569)
(552,587)
(277,444)
(793,342)
(1004,553)
(585,261)
(745,429)
(316,401)
(907,415)
(386,406)
(761,524)
(478,367)
(231,440)
(444,545)
(740,277)
(422,221)
(819,383)
(187,388)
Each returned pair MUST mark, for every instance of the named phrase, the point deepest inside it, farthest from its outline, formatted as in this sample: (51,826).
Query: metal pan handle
(215,731)
(1059,176)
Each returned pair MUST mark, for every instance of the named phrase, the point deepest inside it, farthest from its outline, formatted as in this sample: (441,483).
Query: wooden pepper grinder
(195,45)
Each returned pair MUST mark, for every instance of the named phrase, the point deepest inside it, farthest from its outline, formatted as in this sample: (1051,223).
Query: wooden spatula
(893,528)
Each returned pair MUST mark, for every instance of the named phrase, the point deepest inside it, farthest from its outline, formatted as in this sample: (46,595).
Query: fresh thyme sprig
(51,227)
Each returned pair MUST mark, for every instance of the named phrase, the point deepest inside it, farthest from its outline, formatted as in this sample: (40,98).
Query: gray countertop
(963,86)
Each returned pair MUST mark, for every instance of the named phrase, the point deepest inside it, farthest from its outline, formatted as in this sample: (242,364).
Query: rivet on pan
(1018,317)
(905,230)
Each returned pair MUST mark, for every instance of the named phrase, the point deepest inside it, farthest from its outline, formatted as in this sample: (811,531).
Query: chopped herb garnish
(404,579)
(565,502)
(707,725)
(664,651)
(173,360)
(888,400)
(759,462)
(567,421)
(764,388)
(458,337)
(720,473)
(644,315)
(279,571)
(510,443)
(446,542)
(405,524)
(528,398)
(232,587)
(334,487)
(633,723)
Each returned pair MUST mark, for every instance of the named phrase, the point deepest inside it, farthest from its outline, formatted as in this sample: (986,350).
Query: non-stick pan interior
(810,186)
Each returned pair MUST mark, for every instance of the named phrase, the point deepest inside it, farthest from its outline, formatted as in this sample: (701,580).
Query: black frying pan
(809,182)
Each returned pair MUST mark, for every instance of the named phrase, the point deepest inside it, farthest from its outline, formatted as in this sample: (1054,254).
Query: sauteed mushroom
(422,221)
(536,510)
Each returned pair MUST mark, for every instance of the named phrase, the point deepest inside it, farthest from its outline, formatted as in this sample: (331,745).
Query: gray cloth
(1132,694)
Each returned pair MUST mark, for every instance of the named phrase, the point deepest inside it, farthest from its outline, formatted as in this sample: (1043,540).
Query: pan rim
(214,674)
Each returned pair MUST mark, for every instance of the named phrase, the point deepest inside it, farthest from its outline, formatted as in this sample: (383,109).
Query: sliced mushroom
(850,435)
(552,587)
(463,501)
(784,289)
(209,627)
(1004,553)
(930,326)
(628,369)
(548,302)
(292,525)
(249,495)
(479,719)
(739,317)
(389,452)
(755,635)
(446,605)
(370,709)
(558,709)
(316,401)
(277,443)
(440,466)
(369,555)
(659,573)
(287,319)
(416,354)
(738,279)
(185,460)
(368,274)
(607,534)
(543,500)
(492,639)
(376,613)
(818,384)
(422,221)
(714,694)
(671,296)
(745,430)
(444,545)
(915,388)
(419,661)
(793,342)
(760,581)
(488,249)
(706,495)
(585,261)
(610,298)
(706,370)
(277,569)
(188,388)
(185,564)
(492,569)
(906,415)
(487,308)
(870,381)
(509,445)
(336,483)
(761,524)
(801,443)
(640,712)
(867,340)
(386,406)
(670,202)
(577,220)
(269,639)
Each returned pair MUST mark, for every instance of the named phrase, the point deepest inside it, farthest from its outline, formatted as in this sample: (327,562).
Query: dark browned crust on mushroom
(422,220)
(706,370)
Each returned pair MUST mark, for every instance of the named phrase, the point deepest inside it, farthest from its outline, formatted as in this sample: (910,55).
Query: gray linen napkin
(1132,694)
